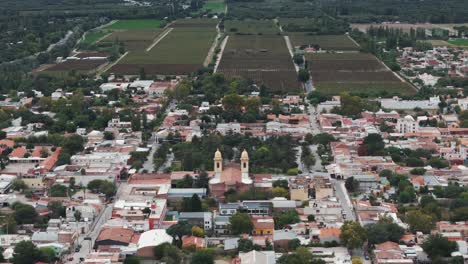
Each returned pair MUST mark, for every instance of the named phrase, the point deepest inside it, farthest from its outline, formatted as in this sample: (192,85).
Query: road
(148,165)
(342,195)
(87,245)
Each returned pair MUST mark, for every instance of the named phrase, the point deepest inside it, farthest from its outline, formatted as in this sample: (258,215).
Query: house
(390,252)
(116,236)
(330,234)
(201,219)
(221,224)
(263,225)
(228,128)
(44,237)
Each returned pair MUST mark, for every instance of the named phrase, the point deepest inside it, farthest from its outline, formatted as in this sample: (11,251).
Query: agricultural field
(182,49)
(93,36)
(324,42)
(133,40)
(272,9)
(214,7)
(317,25)
(251,27)
(135,24)
(333,73)
(262,59)
(459,42)
(79,66)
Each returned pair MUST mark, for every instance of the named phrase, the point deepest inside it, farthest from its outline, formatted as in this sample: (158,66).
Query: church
(231,176)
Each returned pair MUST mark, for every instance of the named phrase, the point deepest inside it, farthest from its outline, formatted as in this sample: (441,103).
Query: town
(234,132)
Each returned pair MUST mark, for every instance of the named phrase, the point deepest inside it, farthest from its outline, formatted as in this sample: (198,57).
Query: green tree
(374,144)
(48,254)
(58,190)
(286,218)
(167,253)
(132,260)
(351,184)
(419,221)
(24,213)
(202,257)
(438,246)
(57,209)
(77,215)
(382,231)
(303,75)
(245,245)
(240,223)
(26,252)
(18,185)
(353,235)
(280,192)
(179,230)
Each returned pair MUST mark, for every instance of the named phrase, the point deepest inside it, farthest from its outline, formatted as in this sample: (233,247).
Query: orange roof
(50,161)
(37,151)
(119,234)
(198,242)
(263,222)
(330,232)
(418,180)
(7,142)
(387,246)
(18,152)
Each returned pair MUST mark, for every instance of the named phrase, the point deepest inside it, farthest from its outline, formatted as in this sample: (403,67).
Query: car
(77,249)
(81,259)
(70,259)
(366,257)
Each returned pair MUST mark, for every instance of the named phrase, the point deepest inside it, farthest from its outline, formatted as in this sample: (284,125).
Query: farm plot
(324,42)
(135,24)
(251,27)
(182,51)
(214,6)
(83,66)
(262,59)
(133,40)
(333,73)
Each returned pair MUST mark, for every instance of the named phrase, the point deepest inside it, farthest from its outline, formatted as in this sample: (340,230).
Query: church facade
(230,176)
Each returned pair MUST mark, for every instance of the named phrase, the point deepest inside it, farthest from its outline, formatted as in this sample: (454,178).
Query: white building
(226,128)
(407,125)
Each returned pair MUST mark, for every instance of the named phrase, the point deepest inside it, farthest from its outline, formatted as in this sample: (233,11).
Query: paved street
(342,195)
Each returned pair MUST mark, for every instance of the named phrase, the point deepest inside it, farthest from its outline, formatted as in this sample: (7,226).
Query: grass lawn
(135,24)
(214,6)
(459,42)
(92,36)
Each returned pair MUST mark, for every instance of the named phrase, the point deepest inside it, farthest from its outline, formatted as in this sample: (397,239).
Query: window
(217,165)
(245,165)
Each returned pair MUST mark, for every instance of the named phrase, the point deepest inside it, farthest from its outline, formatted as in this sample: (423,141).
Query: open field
(180,52)
(135,24)
(214,6)
(325,42)
(354,72)
(79,66)
(251,27)
(263,59)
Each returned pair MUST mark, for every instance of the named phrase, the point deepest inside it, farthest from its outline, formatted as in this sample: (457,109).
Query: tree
(25,213)
(303,75)
(167,253)
(281,183)
(72,182)
(294,244)
(132,260)
(240,223)
(57,209)
(419,221)
(202,257)
(286,218)
(58,190)
(179,230)
(382,231)
(198,231)
(245,245)
(18,185)
(353,235)
(374,144)
(280,192)
(26,252)
(438,246)
(48,254)
(351,184)
(311,218)
(356,260)
(192,204)
(108,135)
